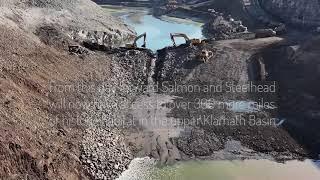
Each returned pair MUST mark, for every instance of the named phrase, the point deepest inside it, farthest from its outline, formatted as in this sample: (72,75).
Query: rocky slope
(295,67)
(63,115)
(208,124)
(69,17)
(59,118)
(297,12)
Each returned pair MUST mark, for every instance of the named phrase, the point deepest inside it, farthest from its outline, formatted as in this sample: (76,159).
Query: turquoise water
(158,30)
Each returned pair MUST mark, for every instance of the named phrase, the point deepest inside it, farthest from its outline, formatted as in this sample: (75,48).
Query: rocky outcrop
(163,7)
(223,28)
(296,12)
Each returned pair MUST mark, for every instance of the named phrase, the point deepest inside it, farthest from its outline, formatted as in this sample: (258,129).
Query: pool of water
(146,169)
(158,30)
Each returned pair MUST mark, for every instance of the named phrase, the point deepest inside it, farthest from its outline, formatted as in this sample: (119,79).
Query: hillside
(69,17)
(297,12)
(71,107)
(48,124)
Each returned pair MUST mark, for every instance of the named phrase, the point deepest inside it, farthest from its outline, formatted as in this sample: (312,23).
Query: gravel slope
(52,133)
(68,16)
(297,12)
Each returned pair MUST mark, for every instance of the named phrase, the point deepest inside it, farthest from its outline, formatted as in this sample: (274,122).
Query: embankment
(61,112)
(295,67)
(208,125)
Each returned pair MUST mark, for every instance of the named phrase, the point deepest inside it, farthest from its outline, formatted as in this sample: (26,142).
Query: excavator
(134,44)
(205,55)
(190,42)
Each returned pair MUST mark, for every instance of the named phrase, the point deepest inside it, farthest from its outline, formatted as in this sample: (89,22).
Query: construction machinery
(134,44)
(190,42)
(205,55)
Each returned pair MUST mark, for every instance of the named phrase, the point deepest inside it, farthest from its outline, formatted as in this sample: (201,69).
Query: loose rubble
(105,154)
(220,27)
(104,151)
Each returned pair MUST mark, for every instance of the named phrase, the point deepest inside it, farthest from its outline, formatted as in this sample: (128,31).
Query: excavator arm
(192,42)
(144,35)
(134,45)
(173,35)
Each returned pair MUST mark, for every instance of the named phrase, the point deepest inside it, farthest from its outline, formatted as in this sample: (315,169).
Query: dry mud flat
(200,123)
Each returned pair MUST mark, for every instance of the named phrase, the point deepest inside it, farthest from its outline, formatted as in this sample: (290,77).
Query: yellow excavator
(191,42)
(205,55)
(134,44)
